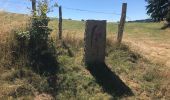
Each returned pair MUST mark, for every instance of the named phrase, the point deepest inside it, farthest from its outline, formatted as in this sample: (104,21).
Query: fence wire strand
(92,11)
(74,9)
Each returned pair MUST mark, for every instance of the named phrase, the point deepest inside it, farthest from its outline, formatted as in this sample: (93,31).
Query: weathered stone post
(95,41)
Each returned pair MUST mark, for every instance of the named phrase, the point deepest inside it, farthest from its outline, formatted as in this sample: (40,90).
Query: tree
(159,10)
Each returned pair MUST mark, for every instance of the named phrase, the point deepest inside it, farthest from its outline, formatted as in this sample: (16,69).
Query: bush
(41,49)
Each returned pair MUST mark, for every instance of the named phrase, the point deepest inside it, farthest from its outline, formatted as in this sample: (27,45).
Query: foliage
(157,9)
(42,54)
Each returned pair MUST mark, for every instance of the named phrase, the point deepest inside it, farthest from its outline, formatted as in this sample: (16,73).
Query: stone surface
(95,41)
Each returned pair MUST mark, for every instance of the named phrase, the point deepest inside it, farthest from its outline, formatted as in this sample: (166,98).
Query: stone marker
(95,41)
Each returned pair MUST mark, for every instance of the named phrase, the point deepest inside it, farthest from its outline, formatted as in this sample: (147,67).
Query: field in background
(147,80)
(134,30)
(146,38)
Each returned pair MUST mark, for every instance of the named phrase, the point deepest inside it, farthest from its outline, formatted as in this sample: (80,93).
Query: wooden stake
(34,7)
(122,23)
(60,23)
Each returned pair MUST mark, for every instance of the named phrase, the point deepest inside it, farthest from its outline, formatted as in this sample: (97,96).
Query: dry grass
(9,24)
(145,38)
(147,80)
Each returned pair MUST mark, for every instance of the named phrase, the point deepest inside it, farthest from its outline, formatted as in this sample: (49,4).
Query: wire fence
(24,6)
(67,28)
(92,11)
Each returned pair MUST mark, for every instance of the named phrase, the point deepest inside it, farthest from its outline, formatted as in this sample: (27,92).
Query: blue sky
(136,8)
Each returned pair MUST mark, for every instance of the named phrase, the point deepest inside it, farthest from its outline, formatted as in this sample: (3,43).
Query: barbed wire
(75,9)
(92,11)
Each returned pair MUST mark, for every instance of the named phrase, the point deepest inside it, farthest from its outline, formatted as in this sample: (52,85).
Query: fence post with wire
(60,23)
(122,23)
(34,7)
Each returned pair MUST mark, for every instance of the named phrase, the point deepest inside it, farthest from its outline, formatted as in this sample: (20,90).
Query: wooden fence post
(95,41)
(34,7)
(122,23)
(60,23)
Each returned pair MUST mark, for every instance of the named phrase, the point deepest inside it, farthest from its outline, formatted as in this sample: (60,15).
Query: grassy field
(146,38)
(125,69)
(134,30)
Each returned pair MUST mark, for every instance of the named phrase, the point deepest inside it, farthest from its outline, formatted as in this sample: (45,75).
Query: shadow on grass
(47,66)
(110,82)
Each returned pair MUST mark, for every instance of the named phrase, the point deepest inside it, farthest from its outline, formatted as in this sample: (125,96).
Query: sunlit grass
(74,81)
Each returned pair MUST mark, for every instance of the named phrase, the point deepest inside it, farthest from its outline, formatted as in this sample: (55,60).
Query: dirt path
(156,52)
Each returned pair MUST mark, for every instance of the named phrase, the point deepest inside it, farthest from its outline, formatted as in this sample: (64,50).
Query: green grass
(149,31)
(78,83)
(74,81)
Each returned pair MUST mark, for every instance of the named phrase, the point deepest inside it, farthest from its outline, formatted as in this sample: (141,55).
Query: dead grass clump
(73,40)
(151,75)
(9,23)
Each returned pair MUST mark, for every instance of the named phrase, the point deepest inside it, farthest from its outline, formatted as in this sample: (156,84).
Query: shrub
(41,49)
